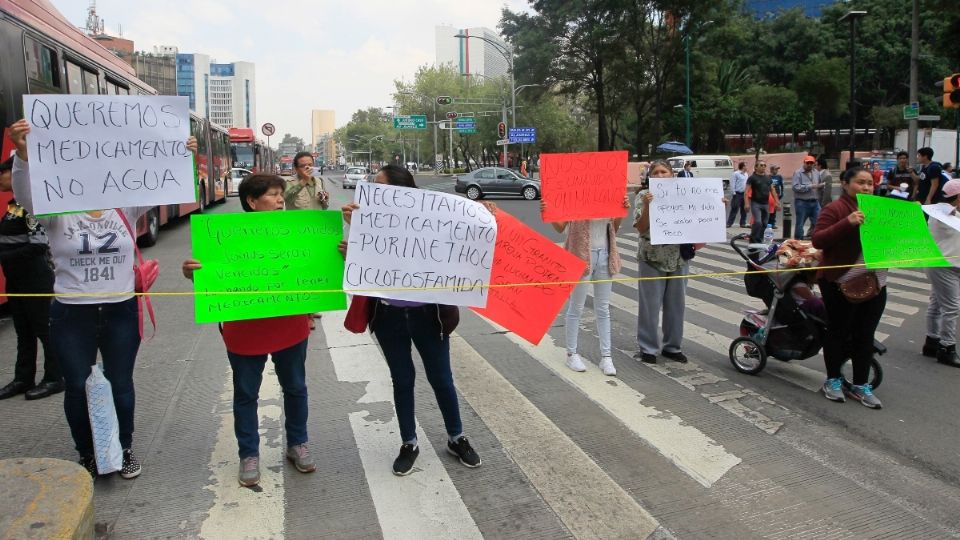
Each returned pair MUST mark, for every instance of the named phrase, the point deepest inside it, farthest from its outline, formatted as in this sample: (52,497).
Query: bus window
(91,82)
(121,91)
(42,69)
(111,88)
(74,78)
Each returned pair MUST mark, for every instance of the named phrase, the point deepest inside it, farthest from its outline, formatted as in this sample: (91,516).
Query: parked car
(705,166)
(353,176)
(233,181)
(496,181)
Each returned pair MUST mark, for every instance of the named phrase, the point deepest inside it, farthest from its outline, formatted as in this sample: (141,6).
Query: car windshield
(355,171)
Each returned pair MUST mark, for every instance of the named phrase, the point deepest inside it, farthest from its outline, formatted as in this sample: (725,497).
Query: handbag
(861,288)
(358,316)
(103,422)
(145,273)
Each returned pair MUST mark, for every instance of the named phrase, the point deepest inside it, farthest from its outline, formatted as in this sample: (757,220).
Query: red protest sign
(584,185)
(522,255)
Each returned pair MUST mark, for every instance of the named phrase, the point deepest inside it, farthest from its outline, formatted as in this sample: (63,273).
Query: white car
(707,166)
(353,176)
(233,183)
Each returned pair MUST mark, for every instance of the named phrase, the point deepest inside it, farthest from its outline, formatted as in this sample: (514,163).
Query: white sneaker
(606,366)
(575,363)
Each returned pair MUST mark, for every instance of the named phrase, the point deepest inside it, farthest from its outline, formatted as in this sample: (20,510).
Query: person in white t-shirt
(93,254)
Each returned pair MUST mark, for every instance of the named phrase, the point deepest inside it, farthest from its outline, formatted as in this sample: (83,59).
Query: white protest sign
(95,152)
(412,238)
(937,213)
(687,211)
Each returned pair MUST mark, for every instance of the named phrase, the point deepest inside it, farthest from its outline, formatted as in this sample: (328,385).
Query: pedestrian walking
(826,181)
(249,343)
(738,184)
(593,241)
(398,325)
(901,174)
(25,258)
(776,180)
(941,340)
(106,321)
(806,196)
(662,285)
(757,202)
(854,297)
(930,185)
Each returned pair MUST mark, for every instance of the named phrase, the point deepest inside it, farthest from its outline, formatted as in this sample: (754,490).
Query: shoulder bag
(145,272)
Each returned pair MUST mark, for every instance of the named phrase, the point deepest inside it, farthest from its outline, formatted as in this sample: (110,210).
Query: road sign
(466,125)
(503,142)
(412,121)
(523,135)
(268,129)
(910,112)
(471,131)
(929,118)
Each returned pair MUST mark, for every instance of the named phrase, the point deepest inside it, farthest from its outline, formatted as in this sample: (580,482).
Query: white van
(705,166)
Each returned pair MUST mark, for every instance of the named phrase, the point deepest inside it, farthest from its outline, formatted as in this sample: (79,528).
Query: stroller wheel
(747,356)
(875,377)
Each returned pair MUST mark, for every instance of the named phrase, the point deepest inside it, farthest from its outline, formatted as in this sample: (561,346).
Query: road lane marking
(425,504)
(588,502)
(232,514)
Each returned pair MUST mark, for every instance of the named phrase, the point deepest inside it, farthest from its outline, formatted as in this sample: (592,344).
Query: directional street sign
(413,121)
(523,135)
(471,131)
(466,125)
(910,112)
(503,142)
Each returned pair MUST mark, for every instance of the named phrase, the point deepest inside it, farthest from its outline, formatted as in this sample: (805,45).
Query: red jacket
(837,237)
(264,336)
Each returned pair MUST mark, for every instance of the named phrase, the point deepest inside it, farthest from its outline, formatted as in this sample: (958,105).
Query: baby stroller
(784,330)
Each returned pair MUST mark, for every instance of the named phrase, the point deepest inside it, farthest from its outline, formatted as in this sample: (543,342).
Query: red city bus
(249,153)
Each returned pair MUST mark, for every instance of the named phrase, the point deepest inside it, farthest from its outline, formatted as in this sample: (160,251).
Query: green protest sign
(895,235)
(272,263)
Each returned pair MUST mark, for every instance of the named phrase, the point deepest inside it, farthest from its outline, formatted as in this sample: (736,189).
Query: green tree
(767,108)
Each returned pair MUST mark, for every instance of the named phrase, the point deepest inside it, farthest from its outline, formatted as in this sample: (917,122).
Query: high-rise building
(158,69)
(322,124)
(193,81)
(233,96)
(472,56)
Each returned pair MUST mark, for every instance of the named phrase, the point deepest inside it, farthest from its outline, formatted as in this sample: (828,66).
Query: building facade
(157,70)
(233,96)
(322,124)
(193,81)
(472,56)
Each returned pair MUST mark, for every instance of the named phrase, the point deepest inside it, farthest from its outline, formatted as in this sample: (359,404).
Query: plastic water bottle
(768,235)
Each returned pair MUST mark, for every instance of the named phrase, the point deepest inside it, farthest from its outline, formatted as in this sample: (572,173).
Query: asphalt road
(668,450)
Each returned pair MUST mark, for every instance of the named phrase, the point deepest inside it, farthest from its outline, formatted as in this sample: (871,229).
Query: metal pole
(914,70)
(686,108)
(513,109)
(435,171)
(853,89)
(453,159)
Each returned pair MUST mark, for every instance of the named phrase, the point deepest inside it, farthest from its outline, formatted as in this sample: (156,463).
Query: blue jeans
(247,376)
(599,269)
(77,332)
(396,328)
(806,209)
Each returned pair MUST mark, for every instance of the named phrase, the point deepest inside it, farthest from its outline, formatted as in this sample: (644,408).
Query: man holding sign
(395,229)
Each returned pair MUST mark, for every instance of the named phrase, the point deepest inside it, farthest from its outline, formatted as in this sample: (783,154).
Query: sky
(309,54)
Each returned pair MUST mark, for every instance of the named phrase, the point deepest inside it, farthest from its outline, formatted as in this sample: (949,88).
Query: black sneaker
(675,356)
(403,465)
(465,452)
(131,467)
(930,347)
(90,464)
(646,358)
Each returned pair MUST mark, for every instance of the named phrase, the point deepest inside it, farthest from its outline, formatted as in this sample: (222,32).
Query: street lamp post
(688,138)
(852,16)
(507,54)
(435,125)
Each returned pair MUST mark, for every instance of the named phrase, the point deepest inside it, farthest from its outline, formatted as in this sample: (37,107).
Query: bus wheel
(153,229)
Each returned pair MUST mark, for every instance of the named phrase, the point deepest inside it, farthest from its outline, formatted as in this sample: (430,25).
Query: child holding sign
(249,342)
(593,241)
(95,308)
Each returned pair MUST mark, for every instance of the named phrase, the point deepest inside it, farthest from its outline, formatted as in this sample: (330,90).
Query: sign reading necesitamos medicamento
(93,152)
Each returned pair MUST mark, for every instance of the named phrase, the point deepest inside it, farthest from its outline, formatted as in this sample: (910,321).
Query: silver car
(233,182)
(353,176)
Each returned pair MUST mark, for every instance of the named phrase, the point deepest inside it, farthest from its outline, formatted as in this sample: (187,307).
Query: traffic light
(951,91)
(501,131)
(444,100)
(379,138)
(451,115)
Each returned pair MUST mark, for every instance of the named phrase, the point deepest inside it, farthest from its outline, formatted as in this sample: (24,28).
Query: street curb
(45,498)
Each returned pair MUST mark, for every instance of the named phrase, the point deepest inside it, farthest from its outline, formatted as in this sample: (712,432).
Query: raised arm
(21,168)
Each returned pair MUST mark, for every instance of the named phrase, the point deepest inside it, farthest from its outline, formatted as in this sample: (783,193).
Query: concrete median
(45,498)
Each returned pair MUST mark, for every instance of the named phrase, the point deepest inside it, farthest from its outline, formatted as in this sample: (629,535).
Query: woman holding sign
(398,324)
(593,241)
(94,309)
(855,297)
(249,342)
(665,288)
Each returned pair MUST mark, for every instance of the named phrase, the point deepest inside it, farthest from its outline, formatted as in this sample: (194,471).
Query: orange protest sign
(584,185)
(522,255)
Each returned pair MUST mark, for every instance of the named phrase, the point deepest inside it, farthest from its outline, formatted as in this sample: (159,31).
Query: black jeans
(736,204)
(31,319)
(850,329)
